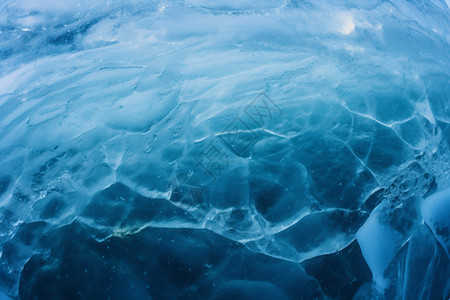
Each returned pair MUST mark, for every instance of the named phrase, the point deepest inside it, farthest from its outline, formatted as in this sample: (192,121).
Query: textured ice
(224,149)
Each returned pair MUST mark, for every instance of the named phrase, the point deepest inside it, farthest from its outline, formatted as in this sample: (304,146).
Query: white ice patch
(342,22)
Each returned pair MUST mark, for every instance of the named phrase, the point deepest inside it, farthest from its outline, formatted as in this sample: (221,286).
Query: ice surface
(218,149)
(435,214)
